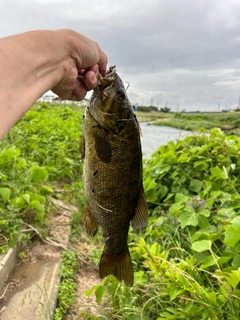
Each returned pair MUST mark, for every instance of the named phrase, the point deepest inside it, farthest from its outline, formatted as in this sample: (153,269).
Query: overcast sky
(180,53)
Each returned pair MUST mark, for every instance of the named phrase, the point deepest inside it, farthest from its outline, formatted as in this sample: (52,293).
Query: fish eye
(120,92)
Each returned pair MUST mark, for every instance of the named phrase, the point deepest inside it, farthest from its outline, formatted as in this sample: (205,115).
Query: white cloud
(184,52)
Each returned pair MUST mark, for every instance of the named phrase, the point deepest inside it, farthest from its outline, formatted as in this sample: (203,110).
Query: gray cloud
(184,53)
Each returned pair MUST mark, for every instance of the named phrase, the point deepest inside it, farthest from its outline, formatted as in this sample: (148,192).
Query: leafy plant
(187,263)
(39,159)
(67,287)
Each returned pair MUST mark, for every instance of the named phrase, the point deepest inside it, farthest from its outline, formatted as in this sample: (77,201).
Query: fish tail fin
(118,265)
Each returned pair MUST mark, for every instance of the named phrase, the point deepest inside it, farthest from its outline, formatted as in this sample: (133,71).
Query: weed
(67,288)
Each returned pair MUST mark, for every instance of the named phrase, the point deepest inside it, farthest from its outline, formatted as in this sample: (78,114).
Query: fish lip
(108,80)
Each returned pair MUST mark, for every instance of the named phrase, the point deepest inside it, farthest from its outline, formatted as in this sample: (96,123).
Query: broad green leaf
(216,172)
(99,292)
(195,185)
(188,306)
(203,222)
(26,197)
(181,198)
(13,240)
(161,192)
(236,261)
(233,278)
(39,207)
(151,195)
(200,166)
(38,174)
(174,292)
(149,184)
(184,157)
(205,213)
(21,163)
(208,262)
(201,245)
(18,202)
(176,208)
(188,218)
(5,193)
(8,155)
(154,250)
(232,234)
(211,296)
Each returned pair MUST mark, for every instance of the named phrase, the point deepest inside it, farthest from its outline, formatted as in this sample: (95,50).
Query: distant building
(52,97)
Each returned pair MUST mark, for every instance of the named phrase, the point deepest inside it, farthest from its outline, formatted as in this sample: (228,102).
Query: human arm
(34,62)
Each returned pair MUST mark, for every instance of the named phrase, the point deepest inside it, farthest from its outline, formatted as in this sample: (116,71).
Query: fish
(112,174)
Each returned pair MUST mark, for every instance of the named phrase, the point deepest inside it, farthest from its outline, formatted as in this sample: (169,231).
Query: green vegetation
(228,122)
(187,263)
(147,109)
(39,159)
(67,288)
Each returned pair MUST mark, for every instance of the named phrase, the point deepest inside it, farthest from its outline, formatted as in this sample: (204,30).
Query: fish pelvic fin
(140,218)
(91,225)
(118,265)
(82,148)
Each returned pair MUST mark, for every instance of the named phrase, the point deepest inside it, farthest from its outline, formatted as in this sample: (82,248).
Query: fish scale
(111,149)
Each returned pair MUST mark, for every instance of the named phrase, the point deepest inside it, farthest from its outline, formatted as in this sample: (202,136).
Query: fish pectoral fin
(91,225)
(82,148)
(118,265)
(102,145)
(140,218)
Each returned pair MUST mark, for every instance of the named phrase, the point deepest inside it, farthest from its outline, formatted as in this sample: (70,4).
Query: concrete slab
(7,263)
(38,297)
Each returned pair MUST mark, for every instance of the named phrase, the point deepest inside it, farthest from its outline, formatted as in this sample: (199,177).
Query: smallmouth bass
(112,174)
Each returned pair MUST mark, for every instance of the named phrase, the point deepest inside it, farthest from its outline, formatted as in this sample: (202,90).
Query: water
(156,136)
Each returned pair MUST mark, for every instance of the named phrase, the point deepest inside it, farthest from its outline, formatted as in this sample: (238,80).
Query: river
(156,136)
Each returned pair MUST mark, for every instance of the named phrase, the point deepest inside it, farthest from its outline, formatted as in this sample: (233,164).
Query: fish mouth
(110,77)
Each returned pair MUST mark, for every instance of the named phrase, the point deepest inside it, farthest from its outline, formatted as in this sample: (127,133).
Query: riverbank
(228,122)
(154,136)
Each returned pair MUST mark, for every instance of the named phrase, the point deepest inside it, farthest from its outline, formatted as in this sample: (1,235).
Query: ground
(39,252)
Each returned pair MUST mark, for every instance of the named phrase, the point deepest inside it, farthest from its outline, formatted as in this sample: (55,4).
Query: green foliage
(39,158)
(228,122)
(187,263)
(67,287)
(165,109)
(147,109)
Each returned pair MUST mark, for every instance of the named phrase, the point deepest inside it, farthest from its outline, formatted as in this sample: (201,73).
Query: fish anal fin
(140,218)
(102,145)
(91,225)
(118,265)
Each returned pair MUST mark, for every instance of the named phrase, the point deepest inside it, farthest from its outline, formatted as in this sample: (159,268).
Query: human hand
(82,65)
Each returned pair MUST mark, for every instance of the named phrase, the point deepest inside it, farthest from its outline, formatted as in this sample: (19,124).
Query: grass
(229,122)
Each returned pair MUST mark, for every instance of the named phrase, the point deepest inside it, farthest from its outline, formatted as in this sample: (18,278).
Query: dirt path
(38,254)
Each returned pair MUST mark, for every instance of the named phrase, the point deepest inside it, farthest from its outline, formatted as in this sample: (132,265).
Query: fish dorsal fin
(140,218)
(91,225)
(102,145)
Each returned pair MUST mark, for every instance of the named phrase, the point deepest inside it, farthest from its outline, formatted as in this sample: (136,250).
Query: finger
(103,63)
(102,69)
(80,91)
(90,80)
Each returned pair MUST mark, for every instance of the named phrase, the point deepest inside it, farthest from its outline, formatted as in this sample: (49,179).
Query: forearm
(30,65)
(35,62)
